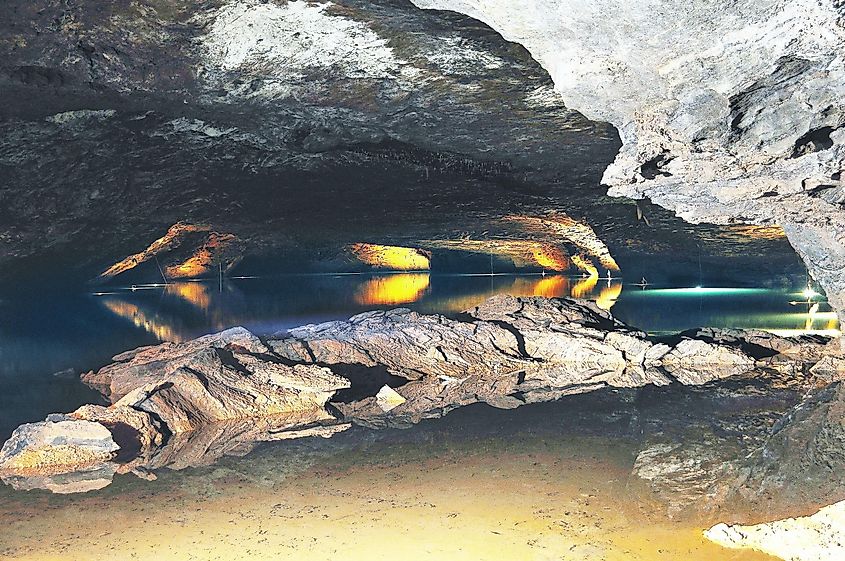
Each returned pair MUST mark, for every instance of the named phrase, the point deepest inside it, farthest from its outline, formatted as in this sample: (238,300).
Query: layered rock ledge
(187,404)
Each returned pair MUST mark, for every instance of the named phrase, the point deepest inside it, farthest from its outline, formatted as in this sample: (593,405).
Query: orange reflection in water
(605,294)
(555,286)
(584,287)
(162,330)
(552,287)
(194,292)
(165,327)
(608,294)
(393,289)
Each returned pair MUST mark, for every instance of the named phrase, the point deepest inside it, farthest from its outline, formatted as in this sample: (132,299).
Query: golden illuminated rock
(392,257)
(186,251)
(204,260)
(565,228)
(523,253)
(585,264)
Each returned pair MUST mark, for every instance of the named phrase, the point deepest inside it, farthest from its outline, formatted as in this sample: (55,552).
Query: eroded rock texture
(222,377)
(727,113)
(189,403)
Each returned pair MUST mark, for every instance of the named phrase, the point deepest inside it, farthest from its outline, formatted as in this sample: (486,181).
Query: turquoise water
(46,342)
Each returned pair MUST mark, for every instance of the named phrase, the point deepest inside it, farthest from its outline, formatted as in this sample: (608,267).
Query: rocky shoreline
(773,429)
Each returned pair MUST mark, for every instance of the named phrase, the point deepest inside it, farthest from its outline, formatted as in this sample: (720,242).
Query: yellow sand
(543,502)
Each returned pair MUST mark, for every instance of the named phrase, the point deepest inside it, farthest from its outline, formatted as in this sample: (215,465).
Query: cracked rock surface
(727,113)
(189,403)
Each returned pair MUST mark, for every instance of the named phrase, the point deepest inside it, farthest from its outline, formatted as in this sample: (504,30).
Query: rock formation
(187,403)
(807,446)
(222,377)
(118,121)
(726,114)
(506,352)
(392,257)
(58,445)
(820,537)
(185,251)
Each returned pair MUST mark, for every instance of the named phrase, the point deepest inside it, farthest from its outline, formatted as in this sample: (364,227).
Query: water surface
(47,341)
(544,482)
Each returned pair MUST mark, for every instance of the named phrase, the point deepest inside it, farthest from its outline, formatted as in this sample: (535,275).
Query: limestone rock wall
(728,112)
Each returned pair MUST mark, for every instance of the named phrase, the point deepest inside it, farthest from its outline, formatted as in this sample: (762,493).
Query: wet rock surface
(709,412)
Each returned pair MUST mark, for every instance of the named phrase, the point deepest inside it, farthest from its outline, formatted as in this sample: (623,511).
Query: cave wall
(728,112)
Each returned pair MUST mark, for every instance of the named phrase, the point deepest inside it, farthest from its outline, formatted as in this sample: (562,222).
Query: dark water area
(46,342)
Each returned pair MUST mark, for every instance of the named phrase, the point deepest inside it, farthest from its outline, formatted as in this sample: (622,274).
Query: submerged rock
(803,459)
(77,481)
(820,537)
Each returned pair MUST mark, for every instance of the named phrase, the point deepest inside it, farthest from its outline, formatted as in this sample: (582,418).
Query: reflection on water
(393,289)
(183,310)
(170,312)
(775,310)
(68,334)
(550,481)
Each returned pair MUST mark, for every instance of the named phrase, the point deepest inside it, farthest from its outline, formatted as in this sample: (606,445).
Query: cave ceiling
(298,127)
